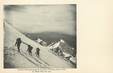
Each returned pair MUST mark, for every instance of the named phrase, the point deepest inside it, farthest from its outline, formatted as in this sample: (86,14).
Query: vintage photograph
(40,36)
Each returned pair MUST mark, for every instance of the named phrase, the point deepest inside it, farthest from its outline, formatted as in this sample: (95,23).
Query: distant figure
(18,43)
(30,49)
(37,51)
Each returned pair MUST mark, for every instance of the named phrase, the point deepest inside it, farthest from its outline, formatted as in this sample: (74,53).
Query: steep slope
(46,59)
(11,57)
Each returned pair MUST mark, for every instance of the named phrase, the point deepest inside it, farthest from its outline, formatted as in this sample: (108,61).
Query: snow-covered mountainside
(13,59)
(63,46)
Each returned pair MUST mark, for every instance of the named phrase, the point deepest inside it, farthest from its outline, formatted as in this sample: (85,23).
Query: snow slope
(23,60)
(15,60)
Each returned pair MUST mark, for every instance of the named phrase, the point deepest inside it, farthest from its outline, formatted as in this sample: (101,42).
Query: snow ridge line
(44,61)
(35,62)
(41,62)
(29,60)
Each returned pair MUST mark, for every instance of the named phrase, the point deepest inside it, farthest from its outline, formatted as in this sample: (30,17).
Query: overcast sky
(42,18)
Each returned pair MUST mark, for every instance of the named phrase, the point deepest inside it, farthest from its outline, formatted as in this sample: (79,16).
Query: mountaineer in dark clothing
(18,43)
(30,49)
(37,51)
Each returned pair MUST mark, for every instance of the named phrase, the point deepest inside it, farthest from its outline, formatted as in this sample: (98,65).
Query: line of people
(29,49)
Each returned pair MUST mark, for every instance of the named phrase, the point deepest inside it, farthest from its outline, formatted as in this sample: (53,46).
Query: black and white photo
(40,36)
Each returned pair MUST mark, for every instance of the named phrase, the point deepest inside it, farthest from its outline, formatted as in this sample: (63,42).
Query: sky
(42,18)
